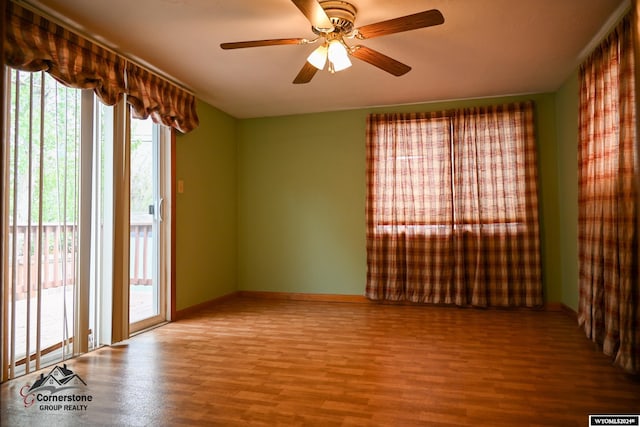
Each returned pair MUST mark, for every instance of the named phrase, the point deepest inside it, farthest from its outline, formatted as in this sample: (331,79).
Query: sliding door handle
(160,206)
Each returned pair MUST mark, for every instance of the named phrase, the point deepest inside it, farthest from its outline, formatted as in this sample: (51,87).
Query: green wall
(301,193)
(301,203)
(206,216)
(277,203)
(567,105)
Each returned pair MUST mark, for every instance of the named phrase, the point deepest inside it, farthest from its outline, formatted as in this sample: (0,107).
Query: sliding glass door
(85,223)
(147,287)
(47,235)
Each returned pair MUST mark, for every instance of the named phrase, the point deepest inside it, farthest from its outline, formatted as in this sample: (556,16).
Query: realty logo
(52,391)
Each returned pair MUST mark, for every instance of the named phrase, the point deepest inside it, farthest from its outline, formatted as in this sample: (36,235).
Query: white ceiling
(484,48)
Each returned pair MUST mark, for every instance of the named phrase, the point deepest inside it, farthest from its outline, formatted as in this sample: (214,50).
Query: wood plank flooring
(275,362)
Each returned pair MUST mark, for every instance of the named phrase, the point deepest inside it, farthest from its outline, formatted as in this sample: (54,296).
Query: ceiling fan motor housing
(342,15)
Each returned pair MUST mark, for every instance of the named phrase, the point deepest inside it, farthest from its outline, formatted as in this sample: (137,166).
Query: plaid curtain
(609,279)
(150,95)
(497,249)
(409,208)
(452,215)
(33,43)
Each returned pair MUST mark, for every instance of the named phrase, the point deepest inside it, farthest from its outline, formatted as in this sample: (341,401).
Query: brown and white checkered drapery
(609,256)
(33,43)
(452,207)
(165,103)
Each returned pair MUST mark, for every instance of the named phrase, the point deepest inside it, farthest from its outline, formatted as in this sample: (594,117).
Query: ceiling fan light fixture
(333,21)
(338,56)
(318,57)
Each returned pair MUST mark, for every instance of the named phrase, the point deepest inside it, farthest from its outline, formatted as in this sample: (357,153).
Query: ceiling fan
(333,23)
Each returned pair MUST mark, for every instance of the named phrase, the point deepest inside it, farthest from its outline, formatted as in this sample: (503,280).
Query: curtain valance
(33,43)
(150,95)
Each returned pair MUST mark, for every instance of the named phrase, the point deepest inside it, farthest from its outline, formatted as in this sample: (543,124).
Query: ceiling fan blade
(314,13)
(258,43)
(380,60)
(424,19)
(306,73)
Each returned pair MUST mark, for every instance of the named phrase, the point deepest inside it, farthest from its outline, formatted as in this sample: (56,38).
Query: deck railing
(141,245)
(58,261)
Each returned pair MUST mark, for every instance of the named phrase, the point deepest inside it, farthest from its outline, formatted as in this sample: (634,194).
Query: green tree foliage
(44,140)
(141,188)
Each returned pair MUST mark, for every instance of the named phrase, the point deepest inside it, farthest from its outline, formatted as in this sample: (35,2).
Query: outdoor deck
(56,273)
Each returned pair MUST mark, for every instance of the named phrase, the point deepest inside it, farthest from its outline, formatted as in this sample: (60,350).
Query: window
(44,236)
(92,167)
(416,179)
(413,180)
(148,224)
(452,207)
(61,220)
(490,170)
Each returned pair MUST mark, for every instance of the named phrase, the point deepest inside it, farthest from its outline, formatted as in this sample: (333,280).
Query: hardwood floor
(277,362)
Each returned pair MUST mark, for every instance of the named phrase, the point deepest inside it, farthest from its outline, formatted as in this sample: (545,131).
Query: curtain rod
(68,24)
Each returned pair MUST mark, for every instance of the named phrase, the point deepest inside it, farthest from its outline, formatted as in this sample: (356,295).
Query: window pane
(413,173)
(142,303)
(489,168)
(42,218)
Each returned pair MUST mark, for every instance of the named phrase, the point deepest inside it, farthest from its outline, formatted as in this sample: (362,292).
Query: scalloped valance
(34,43)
